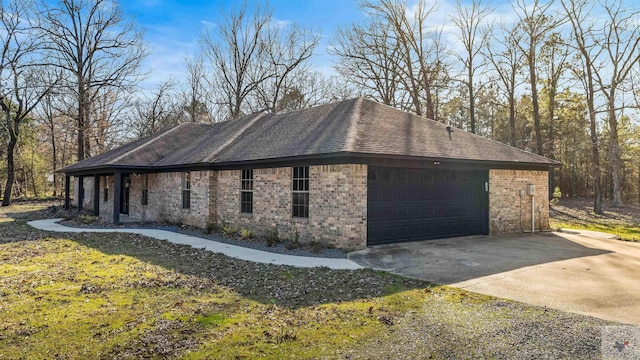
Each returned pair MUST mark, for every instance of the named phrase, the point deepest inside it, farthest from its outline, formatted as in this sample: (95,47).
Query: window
(300,192)
(246,192)
(186,190)
(105,190)
(145,189)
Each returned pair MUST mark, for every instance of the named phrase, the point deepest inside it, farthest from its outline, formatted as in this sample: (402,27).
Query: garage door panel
(420,204)
(401,214)
(385,214)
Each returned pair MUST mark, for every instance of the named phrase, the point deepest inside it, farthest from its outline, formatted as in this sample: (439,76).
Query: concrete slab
(582,272)
(234,251)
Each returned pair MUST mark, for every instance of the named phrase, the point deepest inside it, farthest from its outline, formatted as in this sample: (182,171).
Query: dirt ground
(571,209)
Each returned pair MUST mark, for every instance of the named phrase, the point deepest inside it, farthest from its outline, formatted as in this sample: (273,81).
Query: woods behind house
(556,78)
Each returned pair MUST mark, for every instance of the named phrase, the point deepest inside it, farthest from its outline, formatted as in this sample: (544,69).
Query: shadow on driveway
(449,261)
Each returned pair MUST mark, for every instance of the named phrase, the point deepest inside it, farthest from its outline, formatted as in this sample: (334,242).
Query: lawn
(577,213)
(104,296)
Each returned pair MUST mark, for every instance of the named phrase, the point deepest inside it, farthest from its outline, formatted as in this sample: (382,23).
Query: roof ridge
(352,131)
(146,143)
(221,148)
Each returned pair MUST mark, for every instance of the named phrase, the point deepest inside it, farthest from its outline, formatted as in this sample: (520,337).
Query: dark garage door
(420,204)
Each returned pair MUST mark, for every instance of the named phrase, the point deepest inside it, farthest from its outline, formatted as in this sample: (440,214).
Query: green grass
(93,296)
(60,297)
(625,232)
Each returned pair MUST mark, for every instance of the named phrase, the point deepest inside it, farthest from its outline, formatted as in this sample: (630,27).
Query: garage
(410,204)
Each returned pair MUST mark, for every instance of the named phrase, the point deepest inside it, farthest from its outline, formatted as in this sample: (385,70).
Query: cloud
(208,24)
(280,24)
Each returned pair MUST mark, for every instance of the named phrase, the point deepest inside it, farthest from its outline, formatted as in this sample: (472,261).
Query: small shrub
(229,230)
(246,234)
(272,237)
(87,219)
(316,247)
(557,193)
(211,227)
(293,241)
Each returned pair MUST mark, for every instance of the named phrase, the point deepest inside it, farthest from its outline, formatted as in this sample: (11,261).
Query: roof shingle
(355,126)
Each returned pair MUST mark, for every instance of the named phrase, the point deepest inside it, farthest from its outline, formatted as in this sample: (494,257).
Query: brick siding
(337,204)
(509,212)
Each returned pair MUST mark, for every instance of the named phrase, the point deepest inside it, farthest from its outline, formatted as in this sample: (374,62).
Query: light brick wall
(509,212)
(337,204)
(87,202)
(106,207)
(165,198)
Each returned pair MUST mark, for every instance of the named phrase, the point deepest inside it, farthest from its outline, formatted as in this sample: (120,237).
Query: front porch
(118,198)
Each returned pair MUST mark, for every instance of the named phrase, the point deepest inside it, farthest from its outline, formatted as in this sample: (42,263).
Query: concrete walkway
(234,251)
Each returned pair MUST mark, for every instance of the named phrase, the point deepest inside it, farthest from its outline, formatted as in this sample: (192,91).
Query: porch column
(117,188)
(80,191)
(67,202)
(96,195)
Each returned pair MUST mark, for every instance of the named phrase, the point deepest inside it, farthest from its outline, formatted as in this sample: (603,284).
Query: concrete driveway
(582,272)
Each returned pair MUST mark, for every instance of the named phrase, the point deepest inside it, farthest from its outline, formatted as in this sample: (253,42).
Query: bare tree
(157,112)
(535,24)
(289,49)
(194,94)
(554,61)
(251,58)
(401,52)
(577,12)
(420,61)
(22,80)
(366,57)
(506,62)
(468,20)
(619,39)
(97,48)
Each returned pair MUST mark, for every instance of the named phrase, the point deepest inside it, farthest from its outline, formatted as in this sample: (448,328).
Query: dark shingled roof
(356,126)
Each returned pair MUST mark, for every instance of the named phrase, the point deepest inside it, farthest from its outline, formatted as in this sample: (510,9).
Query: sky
(172,28)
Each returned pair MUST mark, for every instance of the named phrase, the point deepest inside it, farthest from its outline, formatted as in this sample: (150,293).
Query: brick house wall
(337,204)
(106,207)
(165,198)
(87,182)
(509,212)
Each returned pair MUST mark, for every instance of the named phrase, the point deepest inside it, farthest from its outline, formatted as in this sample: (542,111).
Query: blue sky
(172,28)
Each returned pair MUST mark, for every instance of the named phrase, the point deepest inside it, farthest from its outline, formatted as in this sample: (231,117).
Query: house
(351,174)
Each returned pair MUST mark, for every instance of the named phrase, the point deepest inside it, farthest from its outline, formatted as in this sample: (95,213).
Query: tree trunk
(534,99)
(614,148)
(512,120)
(11,171)
(597,181)
(472,101)
(552,114)
(54,156)
(81,120)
